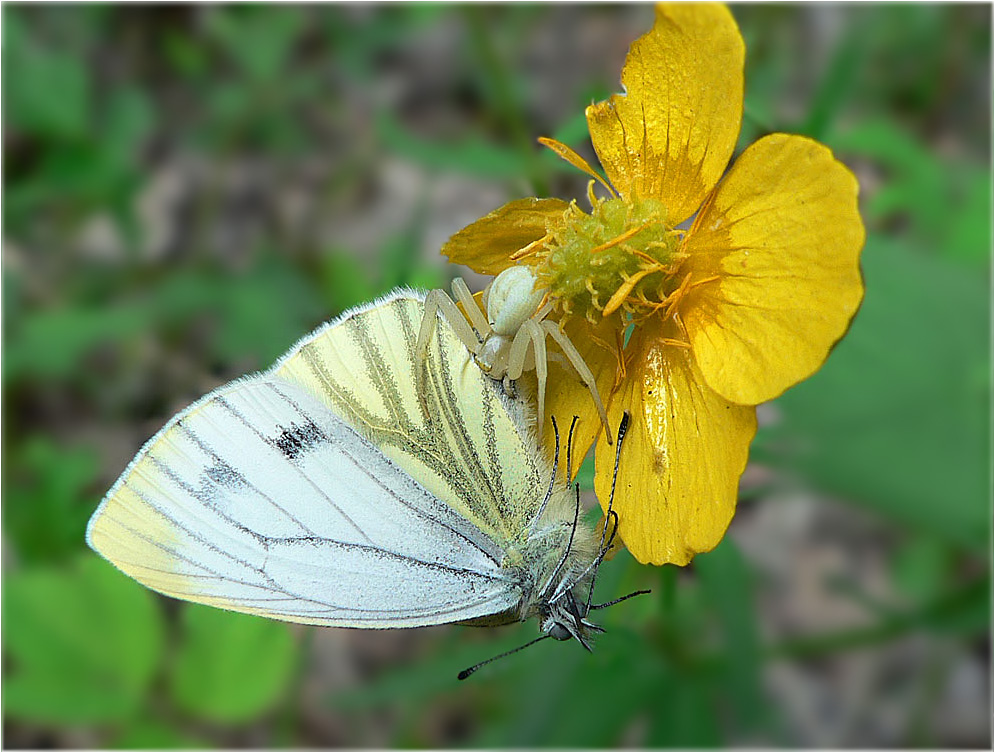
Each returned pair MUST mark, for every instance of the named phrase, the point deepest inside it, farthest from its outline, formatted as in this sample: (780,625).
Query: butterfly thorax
(555,569)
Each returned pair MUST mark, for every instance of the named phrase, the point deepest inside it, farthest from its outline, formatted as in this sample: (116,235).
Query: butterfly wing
(259,499)
(436,415)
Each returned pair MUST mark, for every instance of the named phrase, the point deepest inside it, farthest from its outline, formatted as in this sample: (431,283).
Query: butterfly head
(565,619)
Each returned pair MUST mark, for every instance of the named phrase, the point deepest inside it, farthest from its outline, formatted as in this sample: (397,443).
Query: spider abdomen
(512,300)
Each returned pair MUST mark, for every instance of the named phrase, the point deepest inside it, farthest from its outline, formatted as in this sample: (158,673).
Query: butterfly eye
(559,631)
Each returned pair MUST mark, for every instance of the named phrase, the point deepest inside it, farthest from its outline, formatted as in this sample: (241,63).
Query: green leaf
(84,643)
(898,419)
(727,588)
(230,667)
(48,498)
(683,714)
(186,55)
(259,39)
(266,311)
(586,473)
(970,232)
(947,202)
(470,154)
(46,91)
(343,280)
(152,734)
(837,84)
(50,344)
(921,567)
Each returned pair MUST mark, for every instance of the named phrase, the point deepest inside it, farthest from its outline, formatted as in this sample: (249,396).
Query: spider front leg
(438,302)
(578,362)
(462,294)
(530,333)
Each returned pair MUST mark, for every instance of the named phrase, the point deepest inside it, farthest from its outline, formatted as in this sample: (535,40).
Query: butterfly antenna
(570,444)
(464,674)
(619,599)
(603,547)
(602,552)
(570,541)
(553,476)
(623,426)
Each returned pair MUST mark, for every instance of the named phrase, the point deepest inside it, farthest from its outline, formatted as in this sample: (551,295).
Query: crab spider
(507,333)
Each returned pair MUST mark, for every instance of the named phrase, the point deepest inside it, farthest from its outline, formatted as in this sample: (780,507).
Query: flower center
(620,258)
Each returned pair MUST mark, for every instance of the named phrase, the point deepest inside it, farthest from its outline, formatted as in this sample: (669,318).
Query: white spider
(500,341)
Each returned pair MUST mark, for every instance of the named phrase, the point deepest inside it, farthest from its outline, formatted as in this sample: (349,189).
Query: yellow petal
(670,137)
(486,245)
(680,461)
(784,235)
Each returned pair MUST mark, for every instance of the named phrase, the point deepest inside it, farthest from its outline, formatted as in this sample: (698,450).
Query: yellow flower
(736,286)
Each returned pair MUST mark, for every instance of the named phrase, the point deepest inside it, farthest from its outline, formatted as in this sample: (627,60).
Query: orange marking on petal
(681,290)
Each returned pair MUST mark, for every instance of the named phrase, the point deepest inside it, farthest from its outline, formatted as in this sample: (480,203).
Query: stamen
(544,308)
(681,326)
(620,361)
(531,248)
(625,289)
(679,292)
(622,237)
(642,255)
(594,293)
(673,342)
(567,154)
(592,199)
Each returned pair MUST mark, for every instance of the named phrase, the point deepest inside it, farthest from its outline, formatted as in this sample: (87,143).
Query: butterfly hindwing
(435,414)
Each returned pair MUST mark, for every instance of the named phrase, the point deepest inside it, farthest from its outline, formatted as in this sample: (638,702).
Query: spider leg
(477,319)
(578,362)
(437,302)
(531,334)
(560,359)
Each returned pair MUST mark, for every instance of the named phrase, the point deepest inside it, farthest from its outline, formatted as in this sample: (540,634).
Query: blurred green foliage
(104,339)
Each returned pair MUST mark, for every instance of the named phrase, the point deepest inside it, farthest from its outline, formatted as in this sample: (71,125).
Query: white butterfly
(357,483)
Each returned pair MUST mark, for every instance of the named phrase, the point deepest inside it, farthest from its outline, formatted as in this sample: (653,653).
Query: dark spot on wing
(224,475)
(297,438)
